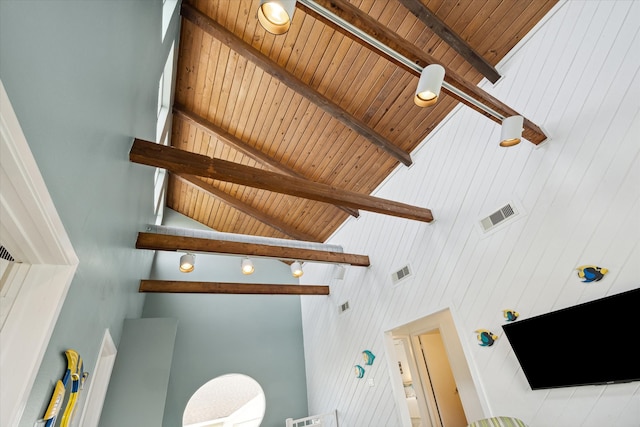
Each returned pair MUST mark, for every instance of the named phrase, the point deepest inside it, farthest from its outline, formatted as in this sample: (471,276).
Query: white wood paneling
(578,76)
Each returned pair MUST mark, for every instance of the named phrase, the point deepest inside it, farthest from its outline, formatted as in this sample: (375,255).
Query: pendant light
(511,133)
(247,266)
(187,263)
(296,269)
(429,85)
(275,15)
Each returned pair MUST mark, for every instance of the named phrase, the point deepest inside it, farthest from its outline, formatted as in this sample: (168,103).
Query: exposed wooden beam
(373,28)
(182,287)
(246,209)
(185,162)
(242,146)
(442,30)
(214,29)
(170,242)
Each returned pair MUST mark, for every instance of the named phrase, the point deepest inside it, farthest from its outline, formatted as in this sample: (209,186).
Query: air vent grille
(401,274)
(344,307)
(4,254)
(499,216)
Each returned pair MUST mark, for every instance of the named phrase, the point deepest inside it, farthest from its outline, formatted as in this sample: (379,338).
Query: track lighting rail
(378,45)
(399,51)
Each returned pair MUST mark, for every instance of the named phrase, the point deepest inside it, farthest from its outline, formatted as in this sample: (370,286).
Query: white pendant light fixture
(339,271)
(275,15)
(247,266)
(511,133)
(429,85)
(296,269)
(187,263)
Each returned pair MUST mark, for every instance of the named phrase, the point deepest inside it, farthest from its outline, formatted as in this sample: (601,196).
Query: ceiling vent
(344,307)
(498,217)
(4,254)
(402,274)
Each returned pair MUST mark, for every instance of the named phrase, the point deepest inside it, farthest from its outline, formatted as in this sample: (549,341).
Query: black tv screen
(587,344)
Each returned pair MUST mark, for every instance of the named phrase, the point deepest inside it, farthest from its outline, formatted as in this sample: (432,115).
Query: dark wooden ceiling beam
(170,242)
(442,30)
(373,28)
(185,162)
(214,29)
(243,147)
(183,287)
(246,209)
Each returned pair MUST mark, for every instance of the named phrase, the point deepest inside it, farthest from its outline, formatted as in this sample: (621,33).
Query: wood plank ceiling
(324,113)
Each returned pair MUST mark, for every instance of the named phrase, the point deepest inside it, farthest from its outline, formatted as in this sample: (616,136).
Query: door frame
(472,395)
(35,236)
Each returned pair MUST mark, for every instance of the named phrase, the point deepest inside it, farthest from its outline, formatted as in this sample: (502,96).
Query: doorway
(438,380)
(441,379)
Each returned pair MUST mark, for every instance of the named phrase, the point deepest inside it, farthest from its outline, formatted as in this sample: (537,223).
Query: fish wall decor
(359,371)
(510,315)
(591,273)
(368,357)
(486,338)
(73,378)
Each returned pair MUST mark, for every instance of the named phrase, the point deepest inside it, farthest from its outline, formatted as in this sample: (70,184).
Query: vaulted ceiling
(287,135)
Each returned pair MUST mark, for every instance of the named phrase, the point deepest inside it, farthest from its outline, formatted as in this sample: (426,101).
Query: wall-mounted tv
(587,344)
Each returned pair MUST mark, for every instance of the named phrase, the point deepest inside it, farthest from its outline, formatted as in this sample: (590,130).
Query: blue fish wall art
(368,357)
(359,371)
(510,315)
(486,338)
(591,273)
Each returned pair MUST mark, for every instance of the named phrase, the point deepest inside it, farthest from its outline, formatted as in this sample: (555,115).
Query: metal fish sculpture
(510,315)
(55,404)
(486,338)
(75,376)
(591,273)
(78,378)
(368,357)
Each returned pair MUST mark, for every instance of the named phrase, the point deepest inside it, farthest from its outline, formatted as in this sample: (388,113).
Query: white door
(439,381)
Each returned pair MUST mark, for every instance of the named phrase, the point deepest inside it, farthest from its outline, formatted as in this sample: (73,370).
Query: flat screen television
(587,344)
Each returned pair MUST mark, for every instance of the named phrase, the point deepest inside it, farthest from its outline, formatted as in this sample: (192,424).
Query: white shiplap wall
(577,76)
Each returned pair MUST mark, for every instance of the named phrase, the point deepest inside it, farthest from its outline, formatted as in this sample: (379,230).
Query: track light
(296,269)
(247,266)
(275,15)
(187,263)
(429,85)
(511,131)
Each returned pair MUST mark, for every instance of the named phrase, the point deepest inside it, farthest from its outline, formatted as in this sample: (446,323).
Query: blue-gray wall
(83,77)
(138,386)
(256,335)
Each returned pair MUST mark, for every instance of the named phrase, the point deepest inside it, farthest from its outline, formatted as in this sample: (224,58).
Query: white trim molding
(31,230)
(98,385)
